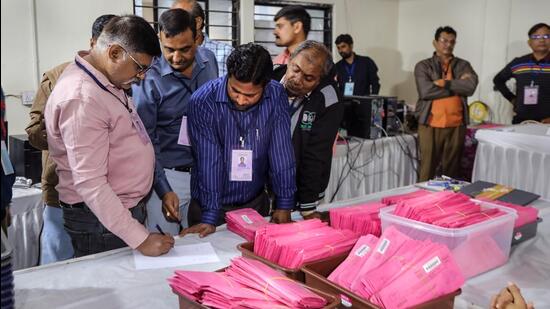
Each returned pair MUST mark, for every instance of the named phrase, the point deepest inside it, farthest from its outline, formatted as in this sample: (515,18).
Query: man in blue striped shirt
(242,115)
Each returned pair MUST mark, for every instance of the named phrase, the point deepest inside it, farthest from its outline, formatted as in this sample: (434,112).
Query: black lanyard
(126,105)
(187,86)
(242,132)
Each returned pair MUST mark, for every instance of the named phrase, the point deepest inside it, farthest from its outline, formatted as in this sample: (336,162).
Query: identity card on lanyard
(348,87)
(531,94)
(242,155)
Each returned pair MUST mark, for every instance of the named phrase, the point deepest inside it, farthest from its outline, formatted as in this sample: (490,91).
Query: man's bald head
(184,5)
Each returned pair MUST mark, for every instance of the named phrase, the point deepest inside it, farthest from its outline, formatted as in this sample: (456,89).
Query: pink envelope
(487,252)
(394,199)
(386,247)
(363,219)
(526,214)
(245,222)
(432,276)
(343,275)
(263,278)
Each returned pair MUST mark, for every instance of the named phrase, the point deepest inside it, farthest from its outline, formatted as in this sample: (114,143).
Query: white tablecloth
(26,222)
(516,156)
(366,166)
(109,280)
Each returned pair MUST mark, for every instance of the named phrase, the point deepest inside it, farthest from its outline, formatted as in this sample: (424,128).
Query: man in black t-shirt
(532,74)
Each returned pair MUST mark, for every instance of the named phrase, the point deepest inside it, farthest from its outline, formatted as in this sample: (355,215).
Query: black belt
(77,205)
(186,168)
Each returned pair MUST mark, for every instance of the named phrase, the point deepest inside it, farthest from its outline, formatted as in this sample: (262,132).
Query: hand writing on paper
(280,216)
(203,229)
(170,206)
(510,298)
(156,244)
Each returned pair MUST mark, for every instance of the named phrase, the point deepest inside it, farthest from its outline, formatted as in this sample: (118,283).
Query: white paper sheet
(179,255)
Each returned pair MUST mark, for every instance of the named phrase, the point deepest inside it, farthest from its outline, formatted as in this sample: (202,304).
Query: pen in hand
(160,230)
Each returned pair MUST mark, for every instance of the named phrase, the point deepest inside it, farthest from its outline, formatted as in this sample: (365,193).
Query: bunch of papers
(394,199)
(246,283)
(395,271)
(294,244)
(362,219)
(244,222)
(445,209)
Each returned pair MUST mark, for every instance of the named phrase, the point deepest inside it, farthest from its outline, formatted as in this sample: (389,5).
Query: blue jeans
(181,184)
(55,243)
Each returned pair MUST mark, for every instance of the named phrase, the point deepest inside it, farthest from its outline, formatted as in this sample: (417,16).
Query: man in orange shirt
(443,83)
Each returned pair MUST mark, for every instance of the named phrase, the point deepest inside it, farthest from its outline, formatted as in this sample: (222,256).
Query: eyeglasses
(445,41)
(141,69)
(539,36)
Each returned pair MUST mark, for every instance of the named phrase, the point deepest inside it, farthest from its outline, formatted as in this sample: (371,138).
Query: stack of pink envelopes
(394,199)
(244,222)
(294,244)
(246,283)
(526,214)
(395,271)
(445,209)
(362,219)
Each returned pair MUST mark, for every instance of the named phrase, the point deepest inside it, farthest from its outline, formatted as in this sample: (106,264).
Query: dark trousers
(440,146)
(260,203)
(88,235)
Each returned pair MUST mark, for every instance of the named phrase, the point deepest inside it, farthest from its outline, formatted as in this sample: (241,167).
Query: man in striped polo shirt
(532,74)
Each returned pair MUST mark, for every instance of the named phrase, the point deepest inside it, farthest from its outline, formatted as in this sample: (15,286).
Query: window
(264,11)
(221,24)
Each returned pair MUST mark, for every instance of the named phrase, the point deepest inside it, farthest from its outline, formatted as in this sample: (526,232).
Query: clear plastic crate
(476,248)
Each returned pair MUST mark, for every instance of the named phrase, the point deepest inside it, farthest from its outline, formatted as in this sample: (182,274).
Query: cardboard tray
(247,250)
(316,277)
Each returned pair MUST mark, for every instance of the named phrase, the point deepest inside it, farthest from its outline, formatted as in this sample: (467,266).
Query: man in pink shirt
(292,24)
(104,157)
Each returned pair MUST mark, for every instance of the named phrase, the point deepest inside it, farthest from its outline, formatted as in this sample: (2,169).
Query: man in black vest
(316,113)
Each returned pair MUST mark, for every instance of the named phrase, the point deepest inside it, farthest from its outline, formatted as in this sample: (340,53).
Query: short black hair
(446,29)
(344,38)
(100,23)
(250,63)
(134,33)
(536,27)
(295,13)
(176,21)
(197,11)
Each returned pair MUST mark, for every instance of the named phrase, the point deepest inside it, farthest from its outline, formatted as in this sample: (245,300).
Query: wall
(490,34)
(395,33)
(63,27)
(372,24)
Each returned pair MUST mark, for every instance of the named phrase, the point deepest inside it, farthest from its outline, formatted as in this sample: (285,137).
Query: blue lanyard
(350,69)
(81,66)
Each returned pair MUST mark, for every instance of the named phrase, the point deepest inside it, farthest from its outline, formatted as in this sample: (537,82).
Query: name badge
(530,95)
(6,163)
(241,165)
(348,88)
(183,139)
(138,124)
